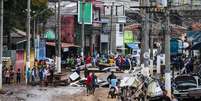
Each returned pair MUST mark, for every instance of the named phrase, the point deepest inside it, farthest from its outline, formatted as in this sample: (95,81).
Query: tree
(15,11)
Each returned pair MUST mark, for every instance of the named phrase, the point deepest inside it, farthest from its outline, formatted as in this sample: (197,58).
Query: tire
(113,95)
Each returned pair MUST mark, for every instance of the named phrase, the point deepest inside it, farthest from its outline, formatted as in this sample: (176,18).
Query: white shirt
(33,73)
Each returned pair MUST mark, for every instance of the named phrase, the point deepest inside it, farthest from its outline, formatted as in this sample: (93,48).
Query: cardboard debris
(129,81)
(110,69)
(94,69)
(87,66)
(74,76)
(78,83)
(75,84)
(106,69)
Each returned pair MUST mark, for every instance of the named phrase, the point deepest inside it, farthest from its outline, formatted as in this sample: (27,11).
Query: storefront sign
(87,12)
(128,37)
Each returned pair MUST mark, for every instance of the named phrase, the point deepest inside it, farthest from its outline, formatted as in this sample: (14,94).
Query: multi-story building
(113,19)
(105,22)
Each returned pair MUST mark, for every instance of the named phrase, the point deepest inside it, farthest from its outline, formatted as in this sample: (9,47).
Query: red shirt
(88,60)
(122,60)
(89,80)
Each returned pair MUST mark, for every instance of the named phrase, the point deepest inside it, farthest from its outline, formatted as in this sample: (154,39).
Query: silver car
(187,86)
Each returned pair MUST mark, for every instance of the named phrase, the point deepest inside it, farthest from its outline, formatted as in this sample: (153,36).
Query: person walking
(89,83)
(28,74)
(33,74)
(40,71)
(12,73)
(7,76)
(86,72)
(79,61)
(94,82)
(45,75)
(18,78)
(51,74)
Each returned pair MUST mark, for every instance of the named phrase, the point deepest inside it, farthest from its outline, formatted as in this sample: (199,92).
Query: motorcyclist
(112,79)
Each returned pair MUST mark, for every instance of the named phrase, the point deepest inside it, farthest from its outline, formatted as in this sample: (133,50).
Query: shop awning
(133,45)
(63,45)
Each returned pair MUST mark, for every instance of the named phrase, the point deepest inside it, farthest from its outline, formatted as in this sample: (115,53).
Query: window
(135,0)
(96,15)
(121,27)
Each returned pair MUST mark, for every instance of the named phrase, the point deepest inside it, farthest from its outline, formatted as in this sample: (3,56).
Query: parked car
(49,61)
(187,86)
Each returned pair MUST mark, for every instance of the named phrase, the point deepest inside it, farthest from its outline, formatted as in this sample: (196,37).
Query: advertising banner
(67,29)
(41,50)
(19,60)
(32,58)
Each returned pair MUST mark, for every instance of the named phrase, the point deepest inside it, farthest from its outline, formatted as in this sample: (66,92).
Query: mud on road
(100,95)
(28,93)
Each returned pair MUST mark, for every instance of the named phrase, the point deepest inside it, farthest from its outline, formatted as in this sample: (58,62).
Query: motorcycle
(112,92)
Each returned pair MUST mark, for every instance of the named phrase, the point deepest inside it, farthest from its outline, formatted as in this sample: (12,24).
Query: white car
(49,61)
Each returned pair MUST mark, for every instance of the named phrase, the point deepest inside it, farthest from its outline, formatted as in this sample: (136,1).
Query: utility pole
(151,42)
(58,45)
(34,35)
(146,35)
(145,38)
(56,33)
(28,37)
(167,53)
(83,34)
(1,43)
(111,24)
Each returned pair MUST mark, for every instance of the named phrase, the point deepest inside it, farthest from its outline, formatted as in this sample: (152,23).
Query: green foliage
(15,13)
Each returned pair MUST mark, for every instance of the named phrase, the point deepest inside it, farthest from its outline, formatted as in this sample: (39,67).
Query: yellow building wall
(32,58)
